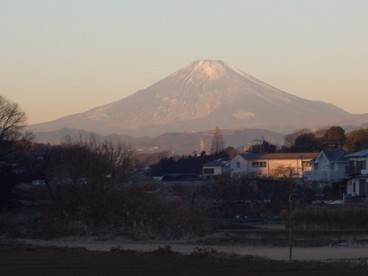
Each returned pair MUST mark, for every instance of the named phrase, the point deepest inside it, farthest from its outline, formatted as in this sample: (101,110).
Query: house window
(238,164)
(305,164)
(259,164)
(353,187)
(316,166)
(208,171)
(361,165)
(363,187)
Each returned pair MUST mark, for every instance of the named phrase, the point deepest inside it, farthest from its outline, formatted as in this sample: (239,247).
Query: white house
(329,166)
(357,185)
(272,164)
(216,167)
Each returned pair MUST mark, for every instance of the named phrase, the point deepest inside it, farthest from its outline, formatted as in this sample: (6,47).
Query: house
(216,167)
(276,165)
(357,170)
(329,166)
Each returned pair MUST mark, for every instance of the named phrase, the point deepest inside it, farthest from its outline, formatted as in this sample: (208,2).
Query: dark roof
(285,155)
(216,163)
(334,155)
(181,177)
(361,153)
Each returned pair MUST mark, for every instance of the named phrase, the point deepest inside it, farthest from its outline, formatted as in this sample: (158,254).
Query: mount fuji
(200,96)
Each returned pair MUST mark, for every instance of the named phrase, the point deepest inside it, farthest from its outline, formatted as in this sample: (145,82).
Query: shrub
(331,218)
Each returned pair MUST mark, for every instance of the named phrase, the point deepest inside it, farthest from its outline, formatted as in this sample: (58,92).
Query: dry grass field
(18,259)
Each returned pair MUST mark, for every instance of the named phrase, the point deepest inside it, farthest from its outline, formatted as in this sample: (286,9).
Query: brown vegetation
(136,212)
(327,218)
(30,260)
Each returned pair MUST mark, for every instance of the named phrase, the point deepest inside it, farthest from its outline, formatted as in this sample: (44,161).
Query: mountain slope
(198,97)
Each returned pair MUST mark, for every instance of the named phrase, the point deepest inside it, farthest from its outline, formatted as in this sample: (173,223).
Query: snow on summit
(213,70)
(205,70)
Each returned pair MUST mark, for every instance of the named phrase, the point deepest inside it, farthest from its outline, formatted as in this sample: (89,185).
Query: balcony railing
(354,170)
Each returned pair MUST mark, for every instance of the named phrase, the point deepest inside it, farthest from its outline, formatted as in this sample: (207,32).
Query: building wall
(217,170)
(327,171)
(357,187)
(269,167)
(364,170)
(285,168)
(238,165)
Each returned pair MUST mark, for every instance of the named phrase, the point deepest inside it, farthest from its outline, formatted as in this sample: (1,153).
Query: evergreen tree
(334,136)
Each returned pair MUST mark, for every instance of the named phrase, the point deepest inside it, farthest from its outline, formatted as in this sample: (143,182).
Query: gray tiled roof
(334,155)
(362,153)
(286,155)
(216,163)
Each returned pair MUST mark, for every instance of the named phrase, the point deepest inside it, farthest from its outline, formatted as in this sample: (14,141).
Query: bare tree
(12,152)
(12,120)
(217,144)
(84,177)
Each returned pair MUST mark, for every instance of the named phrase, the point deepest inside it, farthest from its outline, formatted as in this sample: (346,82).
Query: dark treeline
(306,140)
(90,187)
(303,140)
(185,164)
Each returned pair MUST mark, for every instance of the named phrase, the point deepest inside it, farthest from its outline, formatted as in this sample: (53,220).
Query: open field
(324,253)
(258,251)
(34,260)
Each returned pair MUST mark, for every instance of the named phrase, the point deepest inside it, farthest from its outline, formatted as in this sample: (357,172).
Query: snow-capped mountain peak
(200,96)
(205,70)
(213,70)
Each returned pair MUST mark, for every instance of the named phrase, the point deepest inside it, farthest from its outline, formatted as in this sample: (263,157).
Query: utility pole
(290,228)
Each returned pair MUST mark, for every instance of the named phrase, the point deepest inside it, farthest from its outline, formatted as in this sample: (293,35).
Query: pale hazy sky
(60,57)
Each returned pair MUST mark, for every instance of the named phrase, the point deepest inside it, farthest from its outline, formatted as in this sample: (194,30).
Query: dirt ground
(18,259)
(213,242)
